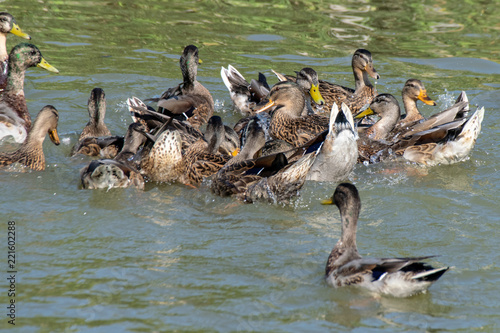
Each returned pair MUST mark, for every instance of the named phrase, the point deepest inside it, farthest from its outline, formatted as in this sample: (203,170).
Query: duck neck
(3,47)
(361,79)
(35,137)
(412,113)
(382,127)
(350,215)
(15,79)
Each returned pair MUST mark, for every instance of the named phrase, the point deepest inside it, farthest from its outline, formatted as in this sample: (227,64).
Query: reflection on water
(171,257)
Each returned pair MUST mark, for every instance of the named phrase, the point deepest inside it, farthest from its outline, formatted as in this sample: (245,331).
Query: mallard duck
(155,122)
(245,96)
(15,119)
(339,151)
(120,172)
(30,154)
(355,99)
(442,144)
(414,91)
(287,99)
(457,111)
(307,79)
(398,277)
(221,138)
(190,100)
(7,25)
(96,128)
(167,161)
(272,178)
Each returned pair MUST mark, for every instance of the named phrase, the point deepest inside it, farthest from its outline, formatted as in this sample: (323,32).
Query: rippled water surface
(175,258)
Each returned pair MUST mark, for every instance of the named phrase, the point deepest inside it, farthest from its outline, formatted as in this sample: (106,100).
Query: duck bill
(372,72)
(266,107)
(367,112)
(45,65)
(54,137)
(424,98)
(316,95)
(327,202)
(16,30)
(235,152)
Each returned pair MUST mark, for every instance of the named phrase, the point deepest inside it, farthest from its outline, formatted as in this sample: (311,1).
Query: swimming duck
(7,25)
(190,100)
(30,154)
(95,128)
(15,119)
(413,91)
(287,123)
(355,99)
(398,277)
(245,96)
(167,160)
(442,144)
(271,178)
(339,151)
(120,172)
(307,79)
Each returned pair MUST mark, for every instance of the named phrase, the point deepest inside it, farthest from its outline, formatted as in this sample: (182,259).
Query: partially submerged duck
(15,119)
(120,172)
(88,142)
(339,151)
(271,178)
(398,277)
(7,25)
(364,91)
(30,154)
(168,161)
(245,95)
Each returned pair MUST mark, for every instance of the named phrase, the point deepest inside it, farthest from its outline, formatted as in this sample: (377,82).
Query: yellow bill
(266,107)
(365,113)
(54,137)
(422,95)
(16,30)
(327,202)
(316,95)
(45,65)
(235,152)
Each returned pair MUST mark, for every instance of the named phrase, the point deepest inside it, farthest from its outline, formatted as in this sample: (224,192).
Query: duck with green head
(15,119)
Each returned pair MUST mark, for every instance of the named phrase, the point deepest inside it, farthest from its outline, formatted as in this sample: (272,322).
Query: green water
(171,258)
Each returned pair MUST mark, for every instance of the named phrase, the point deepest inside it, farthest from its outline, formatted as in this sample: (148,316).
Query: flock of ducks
(300,129)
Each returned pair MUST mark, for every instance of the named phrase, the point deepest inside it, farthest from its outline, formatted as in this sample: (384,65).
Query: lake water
(172,258)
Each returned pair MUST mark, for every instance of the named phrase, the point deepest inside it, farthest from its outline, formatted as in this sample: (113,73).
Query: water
(173,258)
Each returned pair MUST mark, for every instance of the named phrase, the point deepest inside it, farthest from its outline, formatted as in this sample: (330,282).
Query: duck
(397,277)
(287,122)
(7,25)
(364,91)
(446,143)
(120,172)
(339,151)
(96,128)
(15,119)
(307,79)
(271,178)
(245,96)
(30,153)
(189,101)
(413,91)
(167,161)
